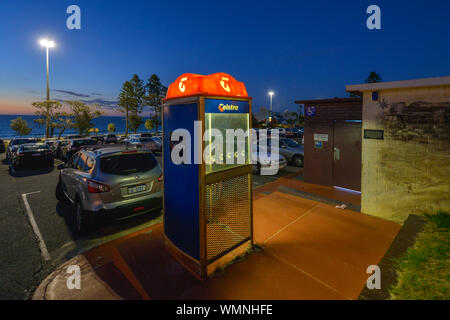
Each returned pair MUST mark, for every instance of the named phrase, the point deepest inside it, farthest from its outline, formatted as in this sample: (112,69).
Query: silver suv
(110,183)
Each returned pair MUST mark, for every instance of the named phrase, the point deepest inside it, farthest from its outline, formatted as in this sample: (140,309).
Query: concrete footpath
(308,250)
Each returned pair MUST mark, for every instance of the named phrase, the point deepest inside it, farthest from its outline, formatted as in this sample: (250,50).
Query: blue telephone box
(207,205)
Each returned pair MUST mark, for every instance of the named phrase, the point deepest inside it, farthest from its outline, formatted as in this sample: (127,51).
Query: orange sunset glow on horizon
(25,107)
(16,107)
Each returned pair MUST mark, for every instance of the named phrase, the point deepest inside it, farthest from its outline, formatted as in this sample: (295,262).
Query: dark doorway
(347,155)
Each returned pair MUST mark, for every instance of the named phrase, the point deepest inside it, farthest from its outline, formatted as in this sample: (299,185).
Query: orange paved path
(292,182)
(311,251)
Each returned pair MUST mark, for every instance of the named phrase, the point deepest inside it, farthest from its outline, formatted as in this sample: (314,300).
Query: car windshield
(79,143)
(124,164)
(290,143)
(23,141)
(33,147)
(146,139)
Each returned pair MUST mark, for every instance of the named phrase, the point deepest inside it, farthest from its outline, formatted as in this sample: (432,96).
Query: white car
(268,164)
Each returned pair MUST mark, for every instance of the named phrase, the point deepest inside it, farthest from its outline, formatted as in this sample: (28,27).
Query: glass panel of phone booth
(240,153)
(231,158)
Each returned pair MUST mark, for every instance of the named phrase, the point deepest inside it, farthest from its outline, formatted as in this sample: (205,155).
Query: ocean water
(39,131)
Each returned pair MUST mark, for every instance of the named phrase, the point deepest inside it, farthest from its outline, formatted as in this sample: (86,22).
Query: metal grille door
(227,215)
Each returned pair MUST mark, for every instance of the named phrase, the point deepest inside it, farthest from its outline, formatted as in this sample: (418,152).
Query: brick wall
(318,163)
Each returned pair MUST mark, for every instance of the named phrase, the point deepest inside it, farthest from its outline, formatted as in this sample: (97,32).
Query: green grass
(424,270)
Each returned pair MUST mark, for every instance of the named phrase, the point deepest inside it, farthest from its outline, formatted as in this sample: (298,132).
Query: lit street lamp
(47,44)
(271,93)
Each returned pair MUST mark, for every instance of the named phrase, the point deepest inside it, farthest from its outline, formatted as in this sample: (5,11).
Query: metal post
(48,98)
(48,90)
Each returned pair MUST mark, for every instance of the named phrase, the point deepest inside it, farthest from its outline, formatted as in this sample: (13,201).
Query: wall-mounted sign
(374,134)
(375,95)
(226,106)
(310,111)
(320,137)
(318,144)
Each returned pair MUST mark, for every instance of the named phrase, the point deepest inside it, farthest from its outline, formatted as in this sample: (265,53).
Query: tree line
(52,115)
(134,95)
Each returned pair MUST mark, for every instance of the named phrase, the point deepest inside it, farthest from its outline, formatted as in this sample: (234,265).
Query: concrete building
(405,147)
(393,145)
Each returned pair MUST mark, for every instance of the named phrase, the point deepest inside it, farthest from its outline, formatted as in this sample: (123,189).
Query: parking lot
(37,231)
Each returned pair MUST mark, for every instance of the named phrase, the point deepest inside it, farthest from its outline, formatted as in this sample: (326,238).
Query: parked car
(73,136)
(146,143)
(293,133)
(265,161)
(50,141)
(32,154)
(140,135)
(158,141)
(281,131)
(98,139)
(290,149)
(2,146)
(74,146)
(146,135)
(110,183)
(110,138)
(15,143)
(57,148)
(293,151)
(158,138)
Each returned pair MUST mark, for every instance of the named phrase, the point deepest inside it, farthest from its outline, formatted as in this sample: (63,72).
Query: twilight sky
(299,49)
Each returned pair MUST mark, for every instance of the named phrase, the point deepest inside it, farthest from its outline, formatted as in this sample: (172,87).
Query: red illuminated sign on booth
(217,84)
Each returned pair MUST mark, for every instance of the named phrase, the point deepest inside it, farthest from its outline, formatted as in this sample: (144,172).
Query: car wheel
(82,223)
(256,169)
(14,165)
(298,161)
(59,193)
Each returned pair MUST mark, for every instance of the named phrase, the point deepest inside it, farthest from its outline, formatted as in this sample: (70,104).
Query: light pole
(271,93)
(47,44)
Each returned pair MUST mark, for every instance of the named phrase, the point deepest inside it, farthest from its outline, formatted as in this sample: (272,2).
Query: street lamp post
(271,93)
(47,44)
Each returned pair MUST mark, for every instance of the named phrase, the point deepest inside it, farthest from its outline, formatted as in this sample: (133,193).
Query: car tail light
(127,152)
(97,187)
(160,178)
(138,209)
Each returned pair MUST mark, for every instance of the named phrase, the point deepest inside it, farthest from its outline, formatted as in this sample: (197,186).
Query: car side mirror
(61,166)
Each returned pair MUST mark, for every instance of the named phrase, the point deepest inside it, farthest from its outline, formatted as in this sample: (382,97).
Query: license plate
(137,189)
(36,154)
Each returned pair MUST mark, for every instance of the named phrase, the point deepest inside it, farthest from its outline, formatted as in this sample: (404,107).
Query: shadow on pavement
(103,229)
(27,172)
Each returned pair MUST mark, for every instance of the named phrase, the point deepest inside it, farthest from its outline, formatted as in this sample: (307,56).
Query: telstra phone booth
(207,204)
